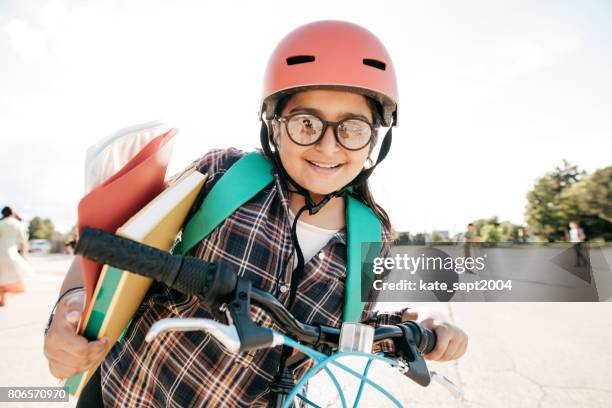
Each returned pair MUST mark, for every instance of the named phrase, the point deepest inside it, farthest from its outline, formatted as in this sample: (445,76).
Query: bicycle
(229,298)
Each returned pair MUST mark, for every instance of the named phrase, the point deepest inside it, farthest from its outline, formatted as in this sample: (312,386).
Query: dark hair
(362,190)
(6,212)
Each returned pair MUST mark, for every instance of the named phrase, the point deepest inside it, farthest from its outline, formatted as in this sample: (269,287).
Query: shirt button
(321,255)
(283,288)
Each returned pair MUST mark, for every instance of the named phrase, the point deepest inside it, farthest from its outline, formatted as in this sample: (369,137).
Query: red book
(112,203)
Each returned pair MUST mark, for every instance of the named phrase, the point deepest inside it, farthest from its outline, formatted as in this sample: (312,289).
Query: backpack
(230,192)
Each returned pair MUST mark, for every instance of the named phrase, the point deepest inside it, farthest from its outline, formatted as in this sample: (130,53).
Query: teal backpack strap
(227,195)
(231,191)
(363,226)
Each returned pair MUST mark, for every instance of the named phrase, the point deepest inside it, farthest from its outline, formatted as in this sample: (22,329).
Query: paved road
(22,324)
(521,354)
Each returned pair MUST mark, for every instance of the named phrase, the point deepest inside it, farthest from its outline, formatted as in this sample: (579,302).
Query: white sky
(493,94)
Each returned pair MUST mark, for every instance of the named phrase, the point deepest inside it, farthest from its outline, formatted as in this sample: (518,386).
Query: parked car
(39,245)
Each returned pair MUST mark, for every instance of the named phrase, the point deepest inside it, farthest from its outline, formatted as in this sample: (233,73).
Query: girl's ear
(275,132)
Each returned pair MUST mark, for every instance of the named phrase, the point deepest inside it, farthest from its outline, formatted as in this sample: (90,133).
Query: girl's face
(325,166)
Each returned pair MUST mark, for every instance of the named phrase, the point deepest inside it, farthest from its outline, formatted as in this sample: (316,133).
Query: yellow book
(119,293)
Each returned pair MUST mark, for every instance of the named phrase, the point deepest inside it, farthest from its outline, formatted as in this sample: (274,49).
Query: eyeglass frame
(326,123)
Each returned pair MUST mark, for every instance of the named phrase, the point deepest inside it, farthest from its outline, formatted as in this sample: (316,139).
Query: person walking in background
(471,236)
(13,243)
(577,237)
(520,235)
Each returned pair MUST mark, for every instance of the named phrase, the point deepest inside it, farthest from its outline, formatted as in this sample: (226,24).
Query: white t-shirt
(576,234)
(311,238)
(13,268)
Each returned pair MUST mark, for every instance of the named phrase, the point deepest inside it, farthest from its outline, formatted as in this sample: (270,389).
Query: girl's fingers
(463,347)
(64,345)
(451,351)
(453,343)
(61,370)
(63,364)
(67,343)
(443,338)
(410,314)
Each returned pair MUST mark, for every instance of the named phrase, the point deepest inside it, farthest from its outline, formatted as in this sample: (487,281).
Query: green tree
(482,222)
(598,198)
(546,208)
(589,202)
(41,228)
(437,237)
(507,231)
(492,231)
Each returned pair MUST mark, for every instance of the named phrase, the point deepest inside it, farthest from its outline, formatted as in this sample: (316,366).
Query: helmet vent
(375,64)
(300,59)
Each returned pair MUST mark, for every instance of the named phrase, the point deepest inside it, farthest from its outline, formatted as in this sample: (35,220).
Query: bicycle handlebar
(189,275)
(217,283)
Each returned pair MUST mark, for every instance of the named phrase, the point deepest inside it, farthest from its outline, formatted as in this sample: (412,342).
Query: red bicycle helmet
(331,54)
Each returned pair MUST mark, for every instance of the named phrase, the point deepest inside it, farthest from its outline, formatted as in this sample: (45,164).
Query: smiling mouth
(326,166)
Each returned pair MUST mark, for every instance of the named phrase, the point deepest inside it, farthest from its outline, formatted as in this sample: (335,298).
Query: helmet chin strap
(309,203)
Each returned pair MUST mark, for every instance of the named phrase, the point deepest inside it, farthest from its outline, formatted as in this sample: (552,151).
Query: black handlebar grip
(428,342)
(122,253)
(424,339)
(213,282)
(189,275)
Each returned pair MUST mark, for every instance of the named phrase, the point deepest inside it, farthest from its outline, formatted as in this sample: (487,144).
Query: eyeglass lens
(305,129)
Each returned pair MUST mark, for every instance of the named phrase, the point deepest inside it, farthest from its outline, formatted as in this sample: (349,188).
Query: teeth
(325,166)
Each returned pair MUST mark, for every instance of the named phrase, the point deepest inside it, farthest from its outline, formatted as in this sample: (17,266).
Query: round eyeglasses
(306,129)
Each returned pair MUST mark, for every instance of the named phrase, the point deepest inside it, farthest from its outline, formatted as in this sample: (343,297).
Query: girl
(329,86)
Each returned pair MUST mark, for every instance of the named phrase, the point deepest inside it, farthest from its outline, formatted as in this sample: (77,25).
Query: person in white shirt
(13,267)
(577,237)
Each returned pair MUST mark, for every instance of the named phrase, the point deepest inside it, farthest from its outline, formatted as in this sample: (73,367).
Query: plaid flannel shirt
(192,368)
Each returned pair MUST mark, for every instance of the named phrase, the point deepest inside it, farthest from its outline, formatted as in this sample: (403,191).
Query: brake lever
(240,336)
(224,333)
(448,384)
(443,380)
(252,336)
(412,356)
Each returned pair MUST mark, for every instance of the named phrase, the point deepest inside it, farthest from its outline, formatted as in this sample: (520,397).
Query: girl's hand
(67,352)
(452,341)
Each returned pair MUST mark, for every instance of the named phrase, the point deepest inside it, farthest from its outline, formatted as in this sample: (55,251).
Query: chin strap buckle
(314,208)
